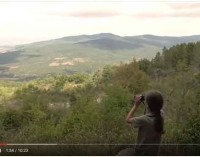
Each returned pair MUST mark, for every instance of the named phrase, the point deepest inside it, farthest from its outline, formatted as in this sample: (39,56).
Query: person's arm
(130,116)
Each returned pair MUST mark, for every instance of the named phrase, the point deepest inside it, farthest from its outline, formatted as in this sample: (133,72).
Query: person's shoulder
(147,118)
(141,118)
(139,121)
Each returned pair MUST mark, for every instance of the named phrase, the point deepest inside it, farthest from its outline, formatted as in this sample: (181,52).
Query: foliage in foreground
(91,108)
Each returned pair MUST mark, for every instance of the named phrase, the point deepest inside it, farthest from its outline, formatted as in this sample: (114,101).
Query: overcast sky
(23,22)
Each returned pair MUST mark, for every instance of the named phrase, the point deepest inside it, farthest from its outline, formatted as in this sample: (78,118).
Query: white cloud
(31,21)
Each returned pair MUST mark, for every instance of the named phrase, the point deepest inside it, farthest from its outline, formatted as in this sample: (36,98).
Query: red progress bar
(3,144)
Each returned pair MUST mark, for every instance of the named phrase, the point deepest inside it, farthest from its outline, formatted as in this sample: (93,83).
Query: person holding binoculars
(150,125)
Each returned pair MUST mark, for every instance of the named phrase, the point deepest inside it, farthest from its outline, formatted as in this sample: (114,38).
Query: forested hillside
(91,108)
(83,53)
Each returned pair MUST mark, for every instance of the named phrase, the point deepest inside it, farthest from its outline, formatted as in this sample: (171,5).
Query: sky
(29,21)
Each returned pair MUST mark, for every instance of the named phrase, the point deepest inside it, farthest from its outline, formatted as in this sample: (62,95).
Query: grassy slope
(35,58)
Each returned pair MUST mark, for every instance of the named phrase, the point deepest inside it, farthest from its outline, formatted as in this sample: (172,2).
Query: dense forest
(91,108)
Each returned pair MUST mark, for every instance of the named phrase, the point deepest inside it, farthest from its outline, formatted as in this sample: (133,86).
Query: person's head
(154,100)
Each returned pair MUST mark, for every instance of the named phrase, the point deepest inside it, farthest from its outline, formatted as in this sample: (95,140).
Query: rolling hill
(84,53)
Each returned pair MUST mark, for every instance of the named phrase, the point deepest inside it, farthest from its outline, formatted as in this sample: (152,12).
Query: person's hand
(137,100)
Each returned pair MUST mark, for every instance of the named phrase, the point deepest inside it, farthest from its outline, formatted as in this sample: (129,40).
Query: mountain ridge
(82,53)
(138,39)
(91,37)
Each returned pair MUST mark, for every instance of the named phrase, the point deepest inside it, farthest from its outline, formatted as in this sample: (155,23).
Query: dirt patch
(54,64)
(58,59)
(14,67)
(81,60)
(67,63)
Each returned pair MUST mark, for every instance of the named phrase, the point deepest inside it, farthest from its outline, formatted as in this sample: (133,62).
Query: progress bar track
(90,144)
